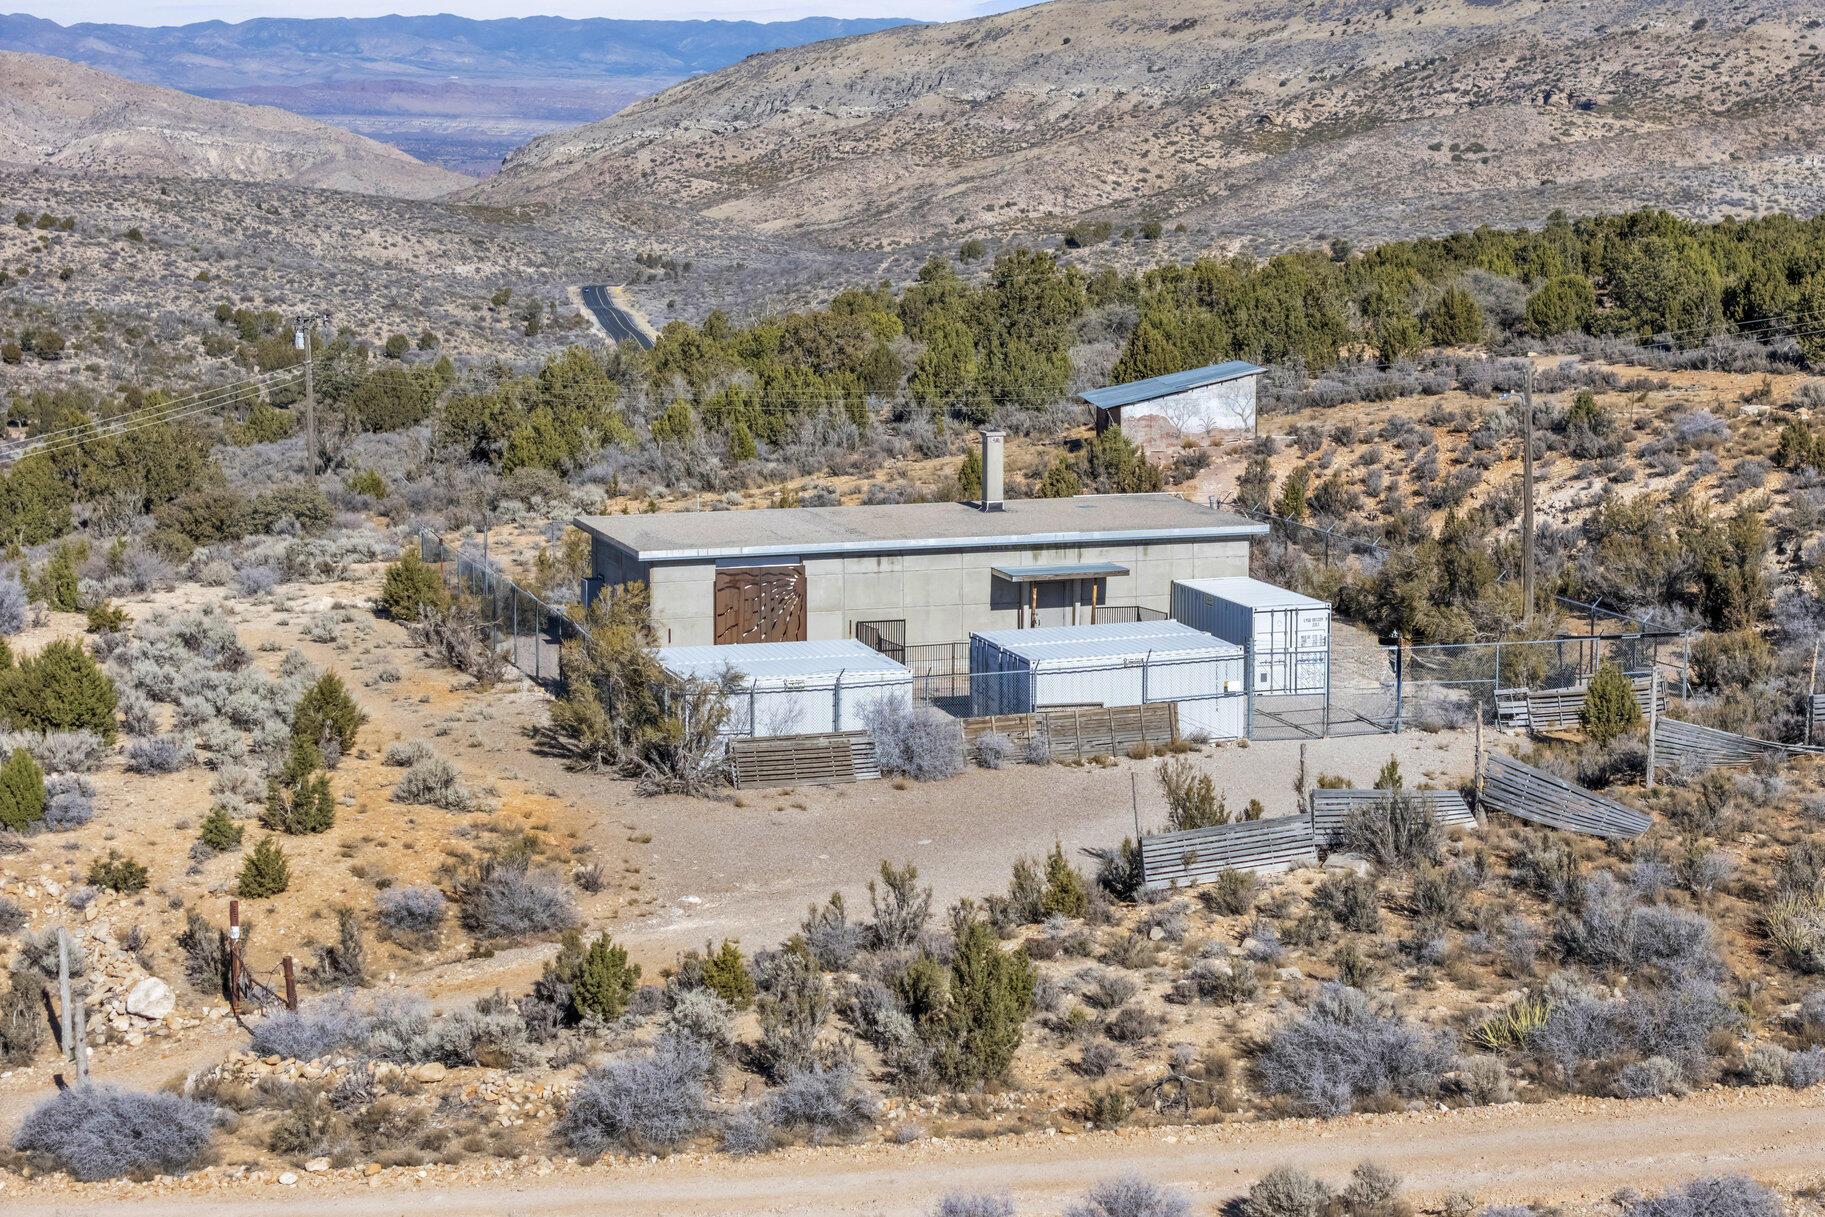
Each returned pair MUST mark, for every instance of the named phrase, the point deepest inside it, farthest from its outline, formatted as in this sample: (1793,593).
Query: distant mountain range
(67,118)
(451,90)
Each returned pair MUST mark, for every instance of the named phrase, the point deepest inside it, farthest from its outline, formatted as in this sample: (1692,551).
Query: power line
(201,403)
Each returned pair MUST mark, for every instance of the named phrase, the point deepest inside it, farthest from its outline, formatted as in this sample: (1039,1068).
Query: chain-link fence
(528,630)
(1452,684)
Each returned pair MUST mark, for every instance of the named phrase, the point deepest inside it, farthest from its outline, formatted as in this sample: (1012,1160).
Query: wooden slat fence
(1530,794)
(1815,714)
(1086,731)
(1199,855)
(1680,742)
(803,760)
(1557,709)
(1330,808)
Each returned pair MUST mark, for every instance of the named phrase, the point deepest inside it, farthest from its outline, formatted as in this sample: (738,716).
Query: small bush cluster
(102,1132)
(919,742)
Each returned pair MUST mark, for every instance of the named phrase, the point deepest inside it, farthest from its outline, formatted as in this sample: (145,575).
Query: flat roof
(1059,570)
(1166,386)
(1252,593)
(791,532)
(1110,639)
(771,661)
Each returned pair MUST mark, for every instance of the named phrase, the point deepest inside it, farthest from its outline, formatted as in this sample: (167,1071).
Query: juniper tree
(604,980)
(266,871)
(21,791)
(991,995)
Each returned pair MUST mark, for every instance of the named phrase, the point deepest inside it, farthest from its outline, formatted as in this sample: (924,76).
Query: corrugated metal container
(1112,664)
(795,688)
(1290,633)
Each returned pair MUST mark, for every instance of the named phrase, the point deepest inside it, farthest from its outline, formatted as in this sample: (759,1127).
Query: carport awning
(1055,573)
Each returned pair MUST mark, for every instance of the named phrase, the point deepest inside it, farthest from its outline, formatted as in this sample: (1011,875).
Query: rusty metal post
(291,985)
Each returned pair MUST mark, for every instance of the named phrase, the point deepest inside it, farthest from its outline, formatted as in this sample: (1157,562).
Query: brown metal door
(760,604)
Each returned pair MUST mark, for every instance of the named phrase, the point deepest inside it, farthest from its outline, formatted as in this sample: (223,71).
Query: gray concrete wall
(944,597)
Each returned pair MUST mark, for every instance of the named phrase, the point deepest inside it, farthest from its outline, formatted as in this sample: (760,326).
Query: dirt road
(1576,1153)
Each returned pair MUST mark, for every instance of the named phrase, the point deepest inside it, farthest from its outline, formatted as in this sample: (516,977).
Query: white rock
(317,1166)
(288,1178)
(1356,864)
(151,998)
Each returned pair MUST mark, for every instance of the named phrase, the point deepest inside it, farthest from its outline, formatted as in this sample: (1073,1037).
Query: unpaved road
(1577,1153)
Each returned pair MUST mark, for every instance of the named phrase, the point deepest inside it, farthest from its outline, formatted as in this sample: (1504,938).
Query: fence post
(234,956)
(291,984)
(63,991)
(1398,674)
(1248,688)
(1653,721)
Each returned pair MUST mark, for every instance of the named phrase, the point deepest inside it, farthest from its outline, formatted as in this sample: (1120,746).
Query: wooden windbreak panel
(760,604)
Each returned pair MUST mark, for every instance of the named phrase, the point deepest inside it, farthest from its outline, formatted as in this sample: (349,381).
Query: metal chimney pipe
(991,469)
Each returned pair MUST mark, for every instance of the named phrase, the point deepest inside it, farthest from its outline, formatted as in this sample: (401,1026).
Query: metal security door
(760,604)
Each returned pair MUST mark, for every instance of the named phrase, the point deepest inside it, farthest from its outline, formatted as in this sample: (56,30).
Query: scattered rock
(317,1166)
(431,1071)
(1356,864)
(151,998)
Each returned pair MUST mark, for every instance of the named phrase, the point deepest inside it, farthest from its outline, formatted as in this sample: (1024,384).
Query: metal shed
(795,688)
(1290,633)
(1113,664)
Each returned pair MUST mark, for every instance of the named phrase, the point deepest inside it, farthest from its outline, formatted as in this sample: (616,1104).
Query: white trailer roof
(1111,639)
(769,661)
(1253,593)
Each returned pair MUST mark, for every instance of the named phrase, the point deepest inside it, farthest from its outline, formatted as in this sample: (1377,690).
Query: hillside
(61,116)
(451,90)
(1273,122)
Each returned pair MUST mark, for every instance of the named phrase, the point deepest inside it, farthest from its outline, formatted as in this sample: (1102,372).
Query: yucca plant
(1515,1027)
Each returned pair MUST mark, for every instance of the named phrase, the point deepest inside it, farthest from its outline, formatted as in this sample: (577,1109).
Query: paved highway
(620,321)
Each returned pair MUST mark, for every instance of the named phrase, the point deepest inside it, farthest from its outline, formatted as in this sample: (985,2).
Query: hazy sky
(179,12)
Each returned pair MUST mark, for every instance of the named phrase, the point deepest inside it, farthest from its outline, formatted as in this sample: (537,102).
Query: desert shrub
(1110,990)
(1286,1191)
(901,909)
(434,783)
(974,1204)
(1038,749)
(22,797)
(266,871)
(1396,832)
(1097,1058)
(254,581)
(1805,1069)
(1191,796)
(342,963)
(1795,924)
(1216,981)
(61,688)
(318,1029)
(158,754)
(1486,1081)
(412,584)
(1130,1196)
(1352,901)
(824,1100)
(704,1018)
(13,602)
(1232,894)
(1609,930)
(723,972)
(23,1028)
(118,873)
(1651,1078)
(1120,872)
(748,1132)
(828,935)
(1342,1049)
(327,718)
(59,751)
(419,909)
(651,1103)
(299,800)
(404,755)
(604,980)
(992,749)
(502,897)
(991,995)
(1064,895)
(793,1007)
(102,1132)
(1715,1196)
(219,832)
(1610,706)
(920,742)
(12,917)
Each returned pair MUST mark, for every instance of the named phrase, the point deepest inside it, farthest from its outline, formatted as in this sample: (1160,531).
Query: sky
(180,12)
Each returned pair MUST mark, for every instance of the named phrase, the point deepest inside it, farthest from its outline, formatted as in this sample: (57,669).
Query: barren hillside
(1272,122)
(61,116)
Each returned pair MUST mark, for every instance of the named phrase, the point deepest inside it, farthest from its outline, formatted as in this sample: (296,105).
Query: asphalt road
(619,322)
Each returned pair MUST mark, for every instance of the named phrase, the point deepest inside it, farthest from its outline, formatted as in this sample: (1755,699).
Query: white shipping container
(1112,664)
(1290,633)
(795,688)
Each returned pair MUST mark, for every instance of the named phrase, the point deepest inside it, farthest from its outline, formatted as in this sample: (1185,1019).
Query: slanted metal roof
(1110,640)
(1166,386)
(766,663)
(685,536)
(1059,570)
(1252,593)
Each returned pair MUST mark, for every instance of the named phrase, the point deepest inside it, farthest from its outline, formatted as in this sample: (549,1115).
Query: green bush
(1734,660)
(991,995)
(219,832)
(61,688)
(604,980)
(327,715)
(1610,705)
(118,873)
(726,975)
(108,618)
(21,791)
(205,516)
(266,872)
(1064,894)
(410,583)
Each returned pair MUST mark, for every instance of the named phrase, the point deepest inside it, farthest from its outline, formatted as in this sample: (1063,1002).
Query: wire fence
(528,630)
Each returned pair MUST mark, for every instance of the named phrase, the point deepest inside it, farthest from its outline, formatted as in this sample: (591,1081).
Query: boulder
(1356,864)
(151,998)
(431,1071)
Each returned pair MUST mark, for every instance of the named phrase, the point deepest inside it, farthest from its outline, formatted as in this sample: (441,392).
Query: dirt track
(1578,1152)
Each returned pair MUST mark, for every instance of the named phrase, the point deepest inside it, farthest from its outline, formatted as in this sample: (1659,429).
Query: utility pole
(66,1018)
(305,339)
(1527,495)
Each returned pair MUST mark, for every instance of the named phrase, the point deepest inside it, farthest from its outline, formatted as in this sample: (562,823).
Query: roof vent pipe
(991,470)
